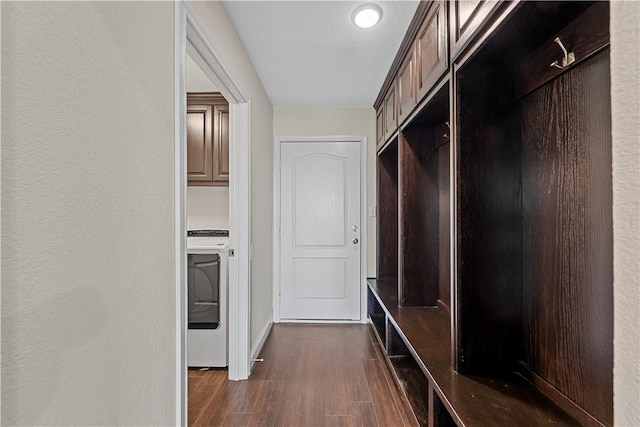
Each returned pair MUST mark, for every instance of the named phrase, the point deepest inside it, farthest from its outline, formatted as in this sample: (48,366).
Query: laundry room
(207,207)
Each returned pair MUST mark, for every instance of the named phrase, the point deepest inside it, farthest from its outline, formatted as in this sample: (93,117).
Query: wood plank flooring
(312,375)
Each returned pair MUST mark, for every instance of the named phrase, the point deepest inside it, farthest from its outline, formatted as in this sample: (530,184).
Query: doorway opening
(190,40)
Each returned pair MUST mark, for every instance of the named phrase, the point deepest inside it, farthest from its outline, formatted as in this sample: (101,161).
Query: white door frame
(189,36)
(277,143)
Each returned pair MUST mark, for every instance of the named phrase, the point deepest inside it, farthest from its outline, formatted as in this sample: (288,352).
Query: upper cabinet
(207,139)
(466,19)
(421,62)
(387,116)
(406,86)
(380,127)
(431,49)
(390,112)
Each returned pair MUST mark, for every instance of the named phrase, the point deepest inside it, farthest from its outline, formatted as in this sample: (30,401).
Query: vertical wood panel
(444,238)
(567,235)
(388,214)
(418,183)
(489,290)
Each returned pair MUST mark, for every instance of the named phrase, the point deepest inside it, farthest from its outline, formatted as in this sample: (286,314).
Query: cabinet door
(199,147)
(431,49)
(221,145)
(380,126)
(390,112)
(466,18)
(406,86)
(207,139)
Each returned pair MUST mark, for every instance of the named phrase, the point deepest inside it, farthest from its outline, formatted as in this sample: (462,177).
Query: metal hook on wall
(568,59)
(446,135)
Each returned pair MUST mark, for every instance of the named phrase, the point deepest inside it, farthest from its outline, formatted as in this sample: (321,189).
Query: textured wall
(225,40)
(625,93)
(318,121)
(87,214)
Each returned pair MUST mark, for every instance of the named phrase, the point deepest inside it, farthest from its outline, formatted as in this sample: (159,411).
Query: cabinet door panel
(390,112)
(221,145)
(380,127)
(199,149)
(466,18)
(406,86)
(207,139)
(431,49)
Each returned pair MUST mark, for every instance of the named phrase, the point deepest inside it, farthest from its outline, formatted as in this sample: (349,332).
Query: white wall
(325,121)
(207,208)
(625,91)
(225,40)
(196,80)
(87,214)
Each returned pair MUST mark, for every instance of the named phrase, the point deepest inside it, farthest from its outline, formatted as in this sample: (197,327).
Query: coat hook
(568,59)
(446,135)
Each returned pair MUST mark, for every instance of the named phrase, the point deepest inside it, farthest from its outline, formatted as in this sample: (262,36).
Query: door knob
(355,240)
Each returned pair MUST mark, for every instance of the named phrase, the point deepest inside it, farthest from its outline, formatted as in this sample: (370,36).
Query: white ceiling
(309,53)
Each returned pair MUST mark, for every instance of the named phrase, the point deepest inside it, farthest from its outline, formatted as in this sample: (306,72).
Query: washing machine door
(204,291)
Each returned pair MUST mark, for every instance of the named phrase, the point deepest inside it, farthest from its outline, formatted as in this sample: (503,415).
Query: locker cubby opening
(378,318)
(438,412)
(533,207)
(424,251)
(413,382)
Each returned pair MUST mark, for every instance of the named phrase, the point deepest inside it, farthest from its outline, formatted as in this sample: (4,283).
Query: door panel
(333,272)
(319,202)
(199,150)
(320,230)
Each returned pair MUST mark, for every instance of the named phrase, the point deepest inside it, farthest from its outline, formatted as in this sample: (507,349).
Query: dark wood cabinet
(207,139)
(390,112)
(380,134)
(431,49)
(406,86)
(494,292)
(466,18)
(387,117)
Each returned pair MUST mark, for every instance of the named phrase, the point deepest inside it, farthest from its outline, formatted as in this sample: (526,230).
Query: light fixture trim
(366,15)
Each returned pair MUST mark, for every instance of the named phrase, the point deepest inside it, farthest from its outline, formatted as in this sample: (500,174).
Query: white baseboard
(262,338)
(318,321)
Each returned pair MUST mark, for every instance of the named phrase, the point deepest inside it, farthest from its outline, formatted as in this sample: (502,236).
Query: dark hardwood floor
(312,375)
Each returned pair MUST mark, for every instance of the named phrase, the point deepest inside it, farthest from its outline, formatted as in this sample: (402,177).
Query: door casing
(278,141)
(189,36)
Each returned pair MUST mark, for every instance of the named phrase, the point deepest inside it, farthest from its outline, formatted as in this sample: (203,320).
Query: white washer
(208,347)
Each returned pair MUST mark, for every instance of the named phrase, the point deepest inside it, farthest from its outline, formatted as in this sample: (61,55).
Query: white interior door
(320,230)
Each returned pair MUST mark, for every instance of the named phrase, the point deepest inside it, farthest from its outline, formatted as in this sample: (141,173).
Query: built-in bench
(417,343)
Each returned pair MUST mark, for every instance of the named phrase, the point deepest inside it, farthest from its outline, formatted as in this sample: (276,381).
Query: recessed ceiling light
(366,15)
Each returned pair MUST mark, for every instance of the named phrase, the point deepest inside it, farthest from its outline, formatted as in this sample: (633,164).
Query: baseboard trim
(318,321)
(262,338)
